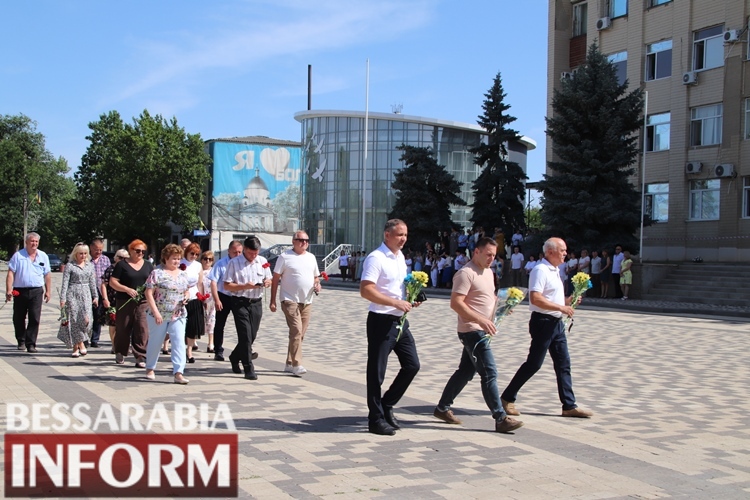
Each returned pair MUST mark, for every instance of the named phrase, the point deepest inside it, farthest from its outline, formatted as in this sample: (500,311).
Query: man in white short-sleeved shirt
(297,271)
(548,306)
(382,284)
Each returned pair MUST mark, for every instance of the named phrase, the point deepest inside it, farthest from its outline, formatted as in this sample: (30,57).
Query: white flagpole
(364,165)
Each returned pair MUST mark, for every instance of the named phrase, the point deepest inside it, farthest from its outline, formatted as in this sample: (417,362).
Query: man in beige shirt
(473,299)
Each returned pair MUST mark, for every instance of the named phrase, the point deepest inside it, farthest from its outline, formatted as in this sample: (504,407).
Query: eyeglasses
(138,250)
(302,240)
(208,259)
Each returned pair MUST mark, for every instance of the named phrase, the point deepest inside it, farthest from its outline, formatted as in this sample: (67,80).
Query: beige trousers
(297,318)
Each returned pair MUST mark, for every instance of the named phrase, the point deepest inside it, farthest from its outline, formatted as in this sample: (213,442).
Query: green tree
(136,178)
(588,198)
(499,191)
(534,219)
(425,191)
(34,179)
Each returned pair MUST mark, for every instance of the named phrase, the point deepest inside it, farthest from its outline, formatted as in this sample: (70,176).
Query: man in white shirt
(297,271)
(596,271)
(548,306)
(516,267)
(617,259)
(382,284)
(246,276)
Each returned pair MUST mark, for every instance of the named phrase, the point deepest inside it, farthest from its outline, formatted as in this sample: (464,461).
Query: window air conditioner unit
(724,170)
(693,167)
(603,23)
(690,78)
(731,36)
(565,76)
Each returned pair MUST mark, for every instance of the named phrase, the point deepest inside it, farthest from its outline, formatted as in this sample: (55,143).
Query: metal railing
(331,261)
(271,253)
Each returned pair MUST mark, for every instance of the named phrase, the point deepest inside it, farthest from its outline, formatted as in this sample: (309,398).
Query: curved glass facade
(333,169)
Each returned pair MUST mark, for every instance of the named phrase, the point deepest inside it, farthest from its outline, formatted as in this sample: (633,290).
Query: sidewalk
(671,419)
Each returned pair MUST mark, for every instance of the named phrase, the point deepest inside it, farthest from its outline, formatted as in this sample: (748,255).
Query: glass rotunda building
(333,167)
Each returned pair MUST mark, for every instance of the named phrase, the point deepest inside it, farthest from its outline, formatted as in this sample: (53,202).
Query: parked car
(54,262)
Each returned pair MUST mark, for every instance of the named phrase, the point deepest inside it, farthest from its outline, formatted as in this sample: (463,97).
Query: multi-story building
(692,59)
(333,166)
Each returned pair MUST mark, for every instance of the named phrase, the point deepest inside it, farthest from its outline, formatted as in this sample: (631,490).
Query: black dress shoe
(31,349)
(250,372)
(218,357)
(235,366)
(381,428)
(95,344)
(191,360)
(21,346)
(390,417)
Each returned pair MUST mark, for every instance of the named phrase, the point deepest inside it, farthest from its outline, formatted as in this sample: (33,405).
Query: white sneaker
(298,371)
(288,369)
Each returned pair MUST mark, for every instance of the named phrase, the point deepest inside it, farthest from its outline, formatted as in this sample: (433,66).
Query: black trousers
(28,303)
(247,314)
(382,330)
(98,312)
(221,320)
(618,289)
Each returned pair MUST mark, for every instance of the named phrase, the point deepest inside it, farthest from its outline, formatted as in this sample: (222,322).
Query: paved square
(670,395)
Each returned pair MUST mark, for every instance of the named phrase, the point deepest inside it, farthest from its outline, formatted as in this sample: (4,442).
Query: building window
(620,61)
(659,60)
(705,125)
(657,202)
(704,199)
(654,3)
(580,19)
(618,8)
(657,132)
(708,48)
(746,198)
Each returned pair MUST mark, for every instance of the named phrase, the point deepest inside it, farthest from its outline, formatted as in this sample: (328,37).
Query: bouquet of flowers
(507,299)
(414,283)
(581,283)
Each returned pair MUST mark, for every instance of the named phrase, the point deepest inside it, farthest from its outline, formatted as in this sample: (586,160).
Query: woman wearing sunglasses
(131,325)
(209,306)
(195,323)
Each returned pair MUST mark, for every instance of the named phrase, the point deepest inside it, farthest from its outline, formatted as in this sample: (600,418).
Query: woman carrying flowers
(108,297)
(128,279)
(78,288)
(166,294)
(209,306)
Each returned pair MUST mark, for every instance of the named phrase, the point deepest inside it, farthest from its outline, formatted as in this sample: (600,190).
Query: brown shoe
(510,408)
(507,424)
(447,416)
(578,412)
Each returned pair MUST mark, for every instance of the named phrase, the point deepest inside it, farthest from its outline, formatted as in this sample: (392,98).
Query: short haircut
(483,242)
(168,251)
(193,248)
(392,223)
(234,243)
(122,253)
(207,253)
(252,242)
(550,244)
(32,235)
(97,241)
(134,244)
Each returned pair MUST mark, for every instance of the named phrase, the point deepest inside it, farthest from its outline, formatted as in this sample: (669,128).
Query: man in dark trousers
(382,284)
(222,298)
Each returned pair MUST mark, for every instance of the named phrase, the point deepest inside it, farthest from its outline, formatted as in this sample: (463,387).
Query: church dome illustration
(256,192)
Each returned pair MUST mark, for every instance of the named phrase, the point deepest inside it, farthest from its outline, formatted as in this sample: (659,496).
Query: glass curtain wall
(332,170)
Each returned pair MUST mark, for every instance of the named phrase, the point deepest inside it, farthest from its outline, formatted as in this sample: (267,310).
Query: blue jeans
(476,357)
(156,336)
(547,334)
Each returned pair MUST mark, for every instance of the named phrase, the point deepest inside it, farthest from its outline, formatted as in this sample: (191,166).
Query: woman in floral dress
(209,306)
(166,294)
(78,288)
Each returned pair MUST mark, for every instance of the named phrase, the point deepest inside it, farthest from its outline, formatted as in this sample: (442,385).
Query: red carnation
(183,267)
(266,265)
(15,293)
(112,317)
(203,296)
(324,275)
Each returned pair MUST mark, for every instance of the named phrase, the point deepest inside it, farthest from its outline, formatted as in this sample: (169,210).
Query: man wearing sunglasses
(301,279)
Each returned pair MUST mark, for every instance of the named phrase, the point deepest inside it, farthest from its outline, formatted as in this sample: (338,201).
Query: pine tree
(425,191)
(589,199)
(499,191)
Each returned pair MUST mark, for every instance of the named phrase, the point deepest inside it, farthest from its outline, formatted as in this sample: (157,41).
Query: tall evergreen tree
(499,190)
(425,190)
(589,199)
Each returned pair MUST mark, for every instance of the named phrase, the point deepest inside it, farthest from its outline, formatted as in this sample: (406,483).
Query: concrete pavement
(669,392)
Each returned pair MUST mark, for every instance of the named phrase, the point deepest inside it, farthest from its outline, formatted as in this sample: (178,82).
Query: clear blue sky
(236,68)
